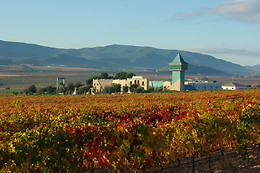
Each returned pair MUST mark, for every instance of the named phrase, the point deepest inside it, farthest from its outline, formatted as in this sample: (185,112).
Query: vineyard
(133,132)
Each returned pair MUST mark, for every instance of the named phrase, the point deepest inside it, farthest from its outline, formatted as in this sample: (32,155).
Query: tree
(150,89)
(78,84)
(42,90)
(159,88)
(117,87)
(32,89)
(120,75)
(129,75)
(124,75)
(89,81)
(109,89)
(139,89)
(62,89)
(125,89)
(70,88)
(114,88)
(103,75)
(133,87)
(48,90)
(26,91)
(51,89)
(84,89)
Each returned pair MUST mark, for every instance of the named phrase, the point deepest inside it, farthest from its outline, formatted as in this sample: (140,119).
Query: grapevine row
(123,132)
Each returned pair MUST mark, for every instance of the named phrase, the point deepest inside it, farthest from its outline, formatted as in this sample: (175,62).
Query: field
(135,132)
(20,77)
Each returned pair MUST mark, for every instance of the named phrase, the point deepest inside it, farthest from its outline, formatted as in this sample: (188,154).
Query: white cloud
(248,10)
(253,53)
(243,10)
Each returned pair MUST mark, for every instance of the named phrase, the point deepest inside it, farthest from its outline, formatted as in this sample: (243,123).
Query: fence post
(257,151)
(193,163)
(179,165)
(223,160)
(209,159)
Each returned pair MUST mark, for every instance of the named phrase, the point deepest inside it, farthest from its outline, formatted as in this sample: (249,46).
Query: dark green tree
(78,84)
(133,87)
(124,75)
(84,89)
(103,75)
(125,89)
(42,90)
(117,87)
(26,91)
(114,88)
(159,89)
(150,89)
(89,81)
(129,75)
(47,90)
(109,89)
(62,90)
(51,89)
(70,88)
(139,89)
(120,75)
(32,89)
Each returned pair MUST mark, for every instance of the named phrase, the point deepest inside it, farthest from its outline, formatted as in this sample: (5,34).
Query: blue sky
(226,29)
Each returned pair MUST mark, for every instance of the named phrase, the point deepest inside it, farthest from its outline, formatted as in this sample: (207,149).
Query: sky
(225,29)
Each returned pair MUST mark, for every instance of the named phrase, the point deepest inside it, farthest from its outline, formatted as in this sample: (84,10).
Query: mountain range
(117,57)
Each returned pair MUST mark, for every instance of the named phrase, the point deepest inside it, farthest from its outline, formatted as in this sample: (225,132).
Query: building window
(130,82)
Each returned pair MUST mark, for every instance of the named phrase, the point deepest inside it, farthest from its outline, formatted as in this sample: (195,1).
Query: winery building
(178,67)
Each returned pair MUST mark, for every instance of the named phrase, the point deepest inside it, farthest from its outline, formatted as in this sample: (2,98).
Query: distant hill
(114,56)
(22,50)
(198,70)
(255,67)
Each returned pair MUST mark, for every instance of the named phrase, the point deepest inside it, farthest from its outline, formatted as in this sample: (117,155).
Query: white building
(233,86)
(100,84)
(138,80)
(204,85)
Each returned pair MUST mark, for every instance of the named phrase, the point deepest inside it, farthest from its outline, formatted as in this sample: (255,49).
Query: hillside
(114,56)
(255,67)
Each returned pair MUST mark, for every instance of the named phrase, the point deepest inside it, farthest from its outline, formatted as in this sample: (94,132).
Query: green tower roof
(178,64)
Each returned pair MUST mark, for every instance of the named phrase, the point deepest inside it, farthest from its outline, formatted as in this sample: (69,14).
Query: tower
(178,67)
(60,82)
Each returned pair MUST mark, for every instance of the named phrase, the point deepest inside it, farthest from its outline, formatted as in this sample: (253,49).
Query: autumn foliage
(123,132)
